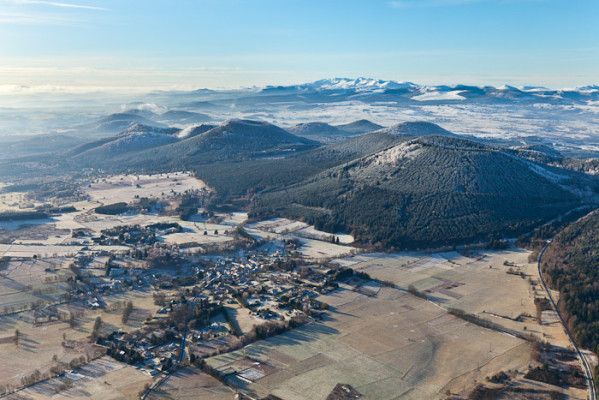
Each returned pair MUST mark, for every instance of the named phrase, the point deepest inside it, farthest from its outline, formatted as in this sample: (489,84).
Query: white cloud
(60,4)
(145,107)
(31,19)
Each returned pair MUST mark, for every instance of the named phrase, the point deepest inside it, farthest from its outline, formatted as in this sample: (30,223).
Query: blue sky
(147,44)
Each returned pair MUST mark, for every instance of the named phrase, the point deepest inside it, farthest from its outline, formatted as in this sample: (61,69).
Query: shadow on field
(8,322)
(27,344)
(436,299)
(330,316)
(307,333)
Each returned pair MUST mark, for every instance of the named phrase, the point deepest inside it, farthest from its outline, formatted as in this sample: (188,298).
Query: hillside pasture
(279,225)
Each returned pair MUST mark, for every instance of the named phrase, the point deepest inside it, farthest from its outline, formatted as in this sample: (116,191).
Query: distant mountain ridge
(327,133)
(118,122)
(363,83)
(136,138)
(347,84)
(381,90)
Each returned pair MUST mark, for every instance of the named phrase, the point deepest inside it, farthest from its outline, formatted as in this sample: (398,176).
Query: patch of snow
(186,131)
(396,154)
(539,170)
(436,95)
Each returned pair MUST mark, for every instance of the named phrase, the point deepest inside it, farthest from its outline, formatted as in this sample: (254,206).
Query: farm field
(100,379)
(278,225)
(125,188)
(322,250)
(241,316)
(192,384)
(245,320)
(235,218)
(16,201)
(192,231)
(29,281)
(52,237)
(37,346)
(315,245)
(388,346)
(39,343)
(300,229)
(40,250)
(478,283)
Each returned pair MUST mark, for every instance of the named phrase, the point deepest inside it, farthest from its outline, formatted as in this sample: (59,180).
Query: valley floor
(387,343)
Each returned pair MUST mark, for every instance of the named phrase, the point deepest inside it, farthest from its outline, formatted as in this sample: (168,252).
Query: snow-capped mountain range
(357,84)
(370,84)
(369,90)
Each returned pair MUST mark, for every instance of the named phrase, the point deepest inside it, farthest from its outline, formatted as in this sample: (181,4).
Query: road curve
(586,367)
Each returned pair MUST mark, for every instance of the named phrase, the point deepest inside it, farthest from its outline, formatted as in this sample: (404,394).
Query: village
(198,310)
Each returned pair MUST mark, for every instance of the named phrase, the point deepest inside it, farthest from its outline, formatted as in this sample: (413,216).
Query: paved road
(175,366)
(586,368)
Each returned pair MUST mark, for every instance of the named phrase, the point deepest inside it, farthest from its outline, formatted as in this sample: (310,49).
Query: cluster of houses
(156,351)
(254,280)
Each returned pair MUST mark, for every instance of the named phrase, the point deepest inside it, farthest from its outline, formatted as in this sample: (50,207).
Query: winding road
(586,367)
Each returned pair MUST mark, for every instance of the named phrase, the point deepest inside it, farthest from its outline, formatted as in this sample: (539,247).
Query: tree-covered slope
(571,265)
(234,178)
(428,191)
(233,140)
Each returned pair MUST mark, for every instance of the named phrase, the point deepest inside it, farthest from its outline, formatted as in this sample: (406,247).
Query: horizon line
(15,89)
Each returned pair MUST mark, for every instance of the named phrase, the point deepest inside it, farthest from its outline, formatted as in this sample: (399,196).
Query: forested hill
(240,177)
(151,149)
(233,140)
(429,191)
(571,265)
(255,175)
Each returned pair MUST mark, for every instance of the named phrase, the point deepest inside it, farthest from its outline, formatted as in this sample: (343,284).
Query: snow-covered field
(315,244)
(299,229)
(126,188)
